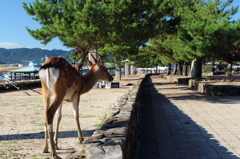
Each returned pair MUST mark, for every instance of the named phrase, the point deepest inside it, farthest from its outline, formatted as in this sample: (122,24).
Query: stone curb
(215,90)
(117,137)
(205,87)
(176,79)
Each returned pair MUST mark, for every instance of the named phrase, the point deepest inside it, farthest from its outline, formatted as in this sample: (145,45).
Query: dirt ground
(21,120)
(3,69)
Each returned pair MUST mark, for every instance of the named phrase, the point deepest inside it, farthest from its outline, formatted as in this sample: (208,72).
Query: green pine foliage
(173,30)
(201,24)
(96,23)
(146,59)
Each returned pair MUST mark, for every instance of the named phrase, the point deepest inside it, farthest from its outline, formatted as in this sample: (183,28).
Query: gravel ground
(21,120)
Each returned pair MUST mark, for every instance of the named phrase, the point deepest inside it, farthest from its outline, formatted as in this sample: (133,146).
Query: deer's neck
(89,80)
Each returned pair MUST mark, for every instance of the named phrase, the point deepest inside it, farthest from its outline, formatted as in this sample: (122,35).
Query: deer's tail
(49,75)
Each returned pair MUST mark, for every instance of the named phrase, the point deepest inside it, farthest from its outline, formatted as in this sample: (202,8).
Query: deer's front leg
(75,104)
(59,117)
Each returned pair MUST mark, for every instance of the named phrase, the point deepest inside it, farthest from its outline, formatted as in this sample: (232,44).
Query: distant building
(32,64)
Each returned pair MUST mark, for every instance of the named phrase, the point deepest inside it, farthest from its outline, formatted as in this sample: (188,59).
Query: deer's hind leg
(49,115)
(46,103)
(59,117)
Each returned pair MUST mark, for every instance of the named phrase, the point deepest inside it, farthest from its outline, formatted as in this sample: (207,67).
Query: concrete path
(187,124)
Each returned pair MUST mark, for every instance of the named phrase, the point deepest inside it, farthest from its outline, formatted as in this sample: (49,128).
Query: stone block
(94,138)
(209,88)
(113,111)
(113,152)
(81,148)
(95,152)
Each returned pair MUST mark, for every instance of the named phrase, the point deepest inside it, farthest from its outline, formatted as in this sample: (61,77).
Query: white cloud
(8,45)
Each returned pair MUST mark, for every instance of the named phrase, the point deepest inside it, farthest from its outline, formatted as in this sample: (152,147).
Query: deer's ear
(100,61)
(89,64)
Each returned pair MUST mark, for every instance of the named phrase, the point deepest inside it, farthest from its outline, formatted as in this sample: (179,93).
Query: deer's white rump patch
(49,76)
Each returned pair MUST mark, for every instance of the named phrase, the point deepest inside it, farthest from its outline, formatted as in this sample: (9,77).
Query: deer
(62,82)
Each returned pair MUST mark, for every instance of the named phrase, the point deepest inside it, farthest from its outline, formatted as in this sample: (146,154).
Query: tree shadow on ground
(40,135)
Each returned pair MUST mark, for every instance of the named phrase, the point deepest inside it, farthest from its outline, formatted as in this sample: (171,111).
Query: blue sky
(14,20)
(13,33)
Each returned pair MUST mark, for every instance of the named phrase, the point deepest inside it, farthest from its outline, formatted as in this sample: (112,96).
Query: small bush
(206,69)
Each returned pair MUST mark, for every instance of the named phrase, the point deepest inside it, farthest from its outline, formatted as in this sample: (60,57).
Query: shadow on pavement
(198,95)
(165,132)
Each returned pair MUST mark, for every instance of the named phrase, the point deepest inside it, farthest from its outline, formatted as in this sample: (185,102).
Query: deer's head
(100,69)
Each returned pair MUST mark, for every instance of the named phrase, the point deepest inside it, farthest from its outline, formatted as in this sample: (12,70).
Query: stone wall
(116,139)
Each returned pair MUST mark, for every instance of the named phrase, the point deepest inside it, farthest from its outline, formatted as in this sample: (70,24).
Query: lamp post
(126,68)
(132,68)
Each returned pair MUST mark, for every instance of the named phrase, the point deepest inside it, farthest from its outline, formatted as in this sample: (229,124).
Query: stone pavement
(179,123)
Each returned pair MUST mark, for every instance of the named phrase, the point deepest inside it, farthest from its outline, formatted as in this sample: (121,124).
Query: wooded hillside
(24,55)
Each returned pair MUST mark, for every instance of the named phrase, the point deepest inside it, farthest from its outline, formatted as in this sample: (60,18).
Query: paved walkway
(186,124)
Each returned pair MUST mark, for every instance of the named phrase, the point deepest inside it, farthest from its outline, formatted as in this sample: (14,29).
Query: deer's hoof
(55,156)
(56,146)
(45,150)
(81,140)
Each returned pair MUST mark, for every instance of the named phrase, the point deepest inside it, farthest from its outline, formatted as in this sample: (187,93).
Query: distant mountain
(24,55)
(2,62)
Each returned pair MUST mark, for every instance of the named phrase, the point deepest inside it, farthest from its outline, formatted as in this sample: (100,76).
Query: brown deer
(62,82)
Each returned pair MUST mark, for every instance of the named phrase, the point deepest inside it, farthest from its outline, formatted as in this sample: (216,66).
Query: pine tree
(200,20)
(119,53)
(82,24)
(224,44)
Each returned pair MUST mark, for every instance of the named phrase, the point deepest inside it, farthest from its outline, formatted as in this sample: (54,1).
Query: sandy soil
(3,69)
(21,120)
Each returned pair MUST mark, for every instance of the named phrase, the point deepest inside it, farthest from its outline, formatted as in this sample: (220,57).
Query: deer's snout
(110,79)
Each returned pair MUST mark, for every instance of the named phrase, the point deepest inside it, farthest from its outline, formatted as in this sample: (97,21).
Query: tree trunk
(169,69)
(196,68)
(83,57)
(118,68)
(189,70)
(220,66)
(179,68)
(81,61)
(175,69)
(185,66)
(213,61)
(229,67)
